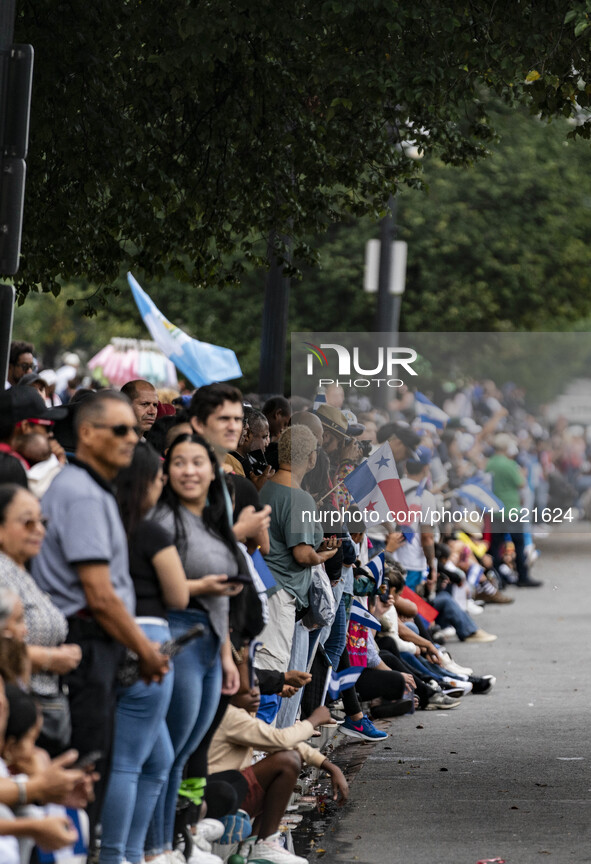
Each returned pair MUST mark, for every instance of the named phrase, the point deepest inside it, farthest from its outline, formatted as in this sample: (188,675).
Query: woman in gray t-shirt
(193,507)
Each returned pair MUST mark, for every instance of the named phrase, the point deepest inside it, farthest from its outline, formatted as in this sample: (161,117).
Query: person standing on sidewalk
(83,566)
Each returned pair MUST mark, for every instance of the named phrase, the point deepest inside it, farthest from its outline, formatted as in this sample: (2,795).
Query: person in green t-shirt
(507,480)
(295,538)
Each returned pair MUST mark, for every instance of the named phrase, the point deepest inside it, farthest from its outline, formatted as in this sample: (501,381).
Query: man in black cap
(23,413)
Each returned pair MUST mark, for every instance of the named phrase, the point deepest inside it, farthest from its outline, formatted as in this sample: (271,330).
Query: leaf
(532,76)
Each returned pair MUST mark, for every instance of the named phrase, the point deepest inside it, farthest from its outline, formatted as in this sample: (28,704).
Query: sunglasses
(120,430)
(31,524)
(27,367)
(37,421)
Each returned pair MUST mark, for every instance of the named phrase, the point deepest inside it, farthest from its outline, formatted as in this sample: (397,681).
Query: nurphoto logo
(384,362)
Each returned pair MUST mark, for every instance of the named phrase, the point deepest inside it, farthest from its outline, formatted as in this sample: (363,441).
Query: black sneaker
(482,684)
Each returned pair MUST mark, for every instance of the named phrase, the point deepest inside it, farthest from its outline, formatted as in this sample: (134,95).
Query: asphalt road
(505,776)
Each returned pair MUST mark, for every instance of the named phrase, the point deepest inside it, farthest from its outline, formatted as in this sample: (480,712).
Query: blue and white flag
(360,614)
(430,413)
(376,568)
(477,496)
(263,570)
(319,399)
(343,680)
(200,362)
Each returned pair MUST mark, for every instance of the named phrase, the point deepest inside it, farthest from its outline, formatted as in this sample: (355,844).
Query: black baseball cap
(25,403)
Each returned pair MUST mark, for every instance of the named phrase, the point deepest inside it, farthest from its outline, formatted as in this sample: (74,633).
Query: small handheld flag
(375,485)
(262,569)
(343,680)
(360,615)
(376,568)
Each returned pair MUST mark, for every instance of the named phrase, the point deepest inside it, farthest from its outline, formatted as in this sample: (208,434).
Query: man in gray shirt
(83,565)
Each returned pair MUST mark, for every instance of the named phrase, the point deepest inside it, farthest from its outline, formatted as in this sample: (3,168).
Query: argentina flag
(200,362)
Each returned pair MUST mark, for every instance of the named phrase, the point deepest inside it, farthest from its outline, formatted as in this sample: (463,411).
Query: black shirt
(148,539)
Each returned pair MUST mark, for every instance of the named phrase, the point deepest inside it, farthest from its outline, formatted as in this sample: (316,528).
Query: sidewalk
(504,776)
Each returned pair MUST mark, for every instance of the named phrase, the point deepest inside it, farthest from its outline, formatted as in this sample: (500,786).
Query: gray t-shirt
(291,524)
(202,554)
(84,526)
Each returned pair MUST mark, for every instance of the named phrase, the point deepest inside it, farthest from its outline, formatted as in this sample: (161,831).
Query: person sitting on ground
(271,780)
(400,633)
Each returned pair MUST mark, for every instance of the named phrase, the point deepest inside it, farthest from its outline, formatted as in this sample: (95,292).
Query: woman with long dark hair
(142,750)
(194,507)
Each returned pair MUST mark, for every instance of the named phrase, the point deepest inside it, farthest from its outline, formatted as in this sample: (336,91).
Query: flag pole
(334,489)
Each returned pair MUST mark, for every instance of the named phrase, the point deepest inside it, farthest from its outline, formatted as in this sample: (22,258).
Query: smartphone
(241,578)
(175,646)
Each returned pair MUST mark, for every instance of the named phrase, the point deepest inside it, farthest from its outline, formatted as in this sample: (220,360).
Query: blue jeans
(450,614)
(142,757)
(336,640)
(195,698)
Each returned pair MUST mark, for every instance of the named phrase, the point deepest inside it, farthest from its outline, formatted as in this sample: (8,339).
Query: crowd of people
(173,621)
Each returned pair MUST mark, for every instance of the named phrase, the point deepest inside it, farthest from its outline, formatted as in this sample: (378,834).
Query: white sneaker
(210,829)
(199,856)
(472,608)
(270,851)
(454,667)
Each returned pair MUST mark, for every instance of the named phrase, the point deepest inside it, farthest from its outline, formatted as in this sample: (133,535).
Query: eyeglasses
(120,430)
(30,524)
(27,367)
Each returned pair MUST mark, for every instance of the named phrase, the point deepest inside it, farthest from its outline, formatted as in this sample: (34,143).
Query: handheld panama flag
(343,680)
(375,485)
(200,362)
(376,568)
(427,412)
(360,614)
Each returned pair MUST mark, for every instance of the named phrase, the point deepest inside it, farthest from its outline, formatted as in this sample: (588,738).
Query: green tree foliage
(503,245)
(173,137)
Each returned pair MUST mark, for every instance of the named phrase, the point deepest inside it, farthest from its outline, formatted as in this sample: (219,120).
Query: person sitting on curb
(271,780)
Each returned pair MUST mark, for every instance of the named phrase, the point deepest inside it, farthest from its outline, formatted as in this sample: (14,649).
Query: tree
(502,245)
(174,137)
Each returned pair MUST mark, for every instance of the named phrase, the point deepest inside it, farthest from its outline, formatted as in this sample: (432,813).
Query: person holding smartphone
(142,750)
(193,508)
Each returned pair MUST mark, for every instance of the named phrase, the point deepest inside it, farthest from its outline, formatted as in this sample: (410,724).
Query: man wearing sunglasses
(20,361)
(83,565)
